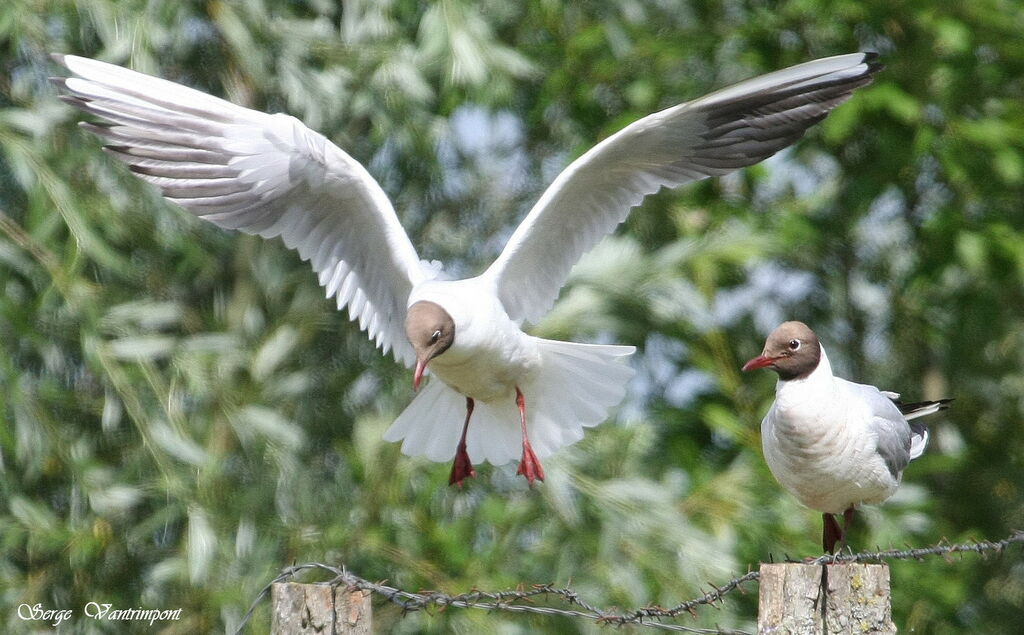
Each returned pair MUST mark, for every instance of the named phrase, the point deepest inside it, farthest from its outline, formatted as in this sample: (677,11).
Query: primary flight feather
(271,175)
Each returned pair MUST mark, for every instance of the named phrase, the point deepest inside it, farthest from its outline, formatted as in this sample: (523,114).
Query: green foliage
(183,414)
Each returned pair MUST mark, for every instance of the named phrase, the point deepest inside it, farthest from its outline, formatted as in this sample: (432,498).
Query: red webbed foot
(462,467)
(529,465)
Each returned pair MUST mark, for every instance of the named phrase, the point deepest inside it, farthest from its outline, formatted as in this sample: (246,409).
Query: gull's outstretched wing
(261,174)
(728,129)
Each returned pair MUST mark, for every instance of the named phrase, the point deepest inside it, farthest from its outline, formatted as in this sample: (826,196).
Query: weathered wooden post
(307,609)
(814,599)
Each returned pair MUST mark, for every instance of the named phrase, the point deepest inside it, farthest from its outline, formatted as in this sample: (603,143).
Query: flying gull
(271,175)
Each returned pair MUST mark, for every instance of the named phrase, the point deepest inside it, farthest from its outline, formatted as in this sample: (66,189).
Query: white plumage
(833,443)
(270,175)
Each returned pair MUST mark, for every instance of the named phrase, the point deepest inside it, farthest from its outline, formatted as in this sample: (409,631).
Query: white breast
(490,355)
(817,443)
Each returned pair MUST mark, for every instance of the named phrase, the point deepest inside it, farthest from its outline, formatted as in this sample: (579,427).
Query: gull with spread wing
(834,444)
(271,175)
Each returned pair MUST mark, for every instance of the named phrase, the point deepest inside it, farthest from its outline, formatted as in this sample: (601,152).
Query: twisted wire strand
(648,616)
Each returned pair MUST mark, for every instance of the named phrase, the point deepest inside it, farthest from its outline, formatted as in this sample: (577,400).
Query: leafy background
(183,414)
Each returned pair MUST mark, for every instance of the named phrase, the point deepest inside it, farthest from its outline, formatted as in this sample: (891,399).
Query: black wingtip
(910,408)
(871,58)
(74,100)
(139,169)
(96,127)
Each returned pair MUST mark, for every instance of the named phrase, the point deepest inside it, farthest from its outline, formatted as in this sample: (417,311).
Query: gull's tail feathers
(918,439)
(575,387)
(919,431)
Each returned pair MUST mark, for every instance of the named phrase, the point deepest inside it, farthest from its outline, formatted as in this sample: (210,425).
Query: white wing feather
(726,130)
(261,174)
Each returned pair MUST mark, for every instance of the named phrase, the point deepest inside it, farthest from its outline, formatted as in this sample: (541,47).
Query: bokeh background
(183,414)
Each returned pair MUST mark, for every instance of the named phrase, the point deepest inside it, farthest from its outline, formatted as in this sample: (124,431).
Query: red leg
(830,533)
(529,465)
(462,468)
(847,521)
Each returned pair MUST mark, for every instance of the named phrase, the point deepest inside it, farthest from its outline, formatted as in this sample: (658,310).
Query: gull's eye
(794,345)
(436,336)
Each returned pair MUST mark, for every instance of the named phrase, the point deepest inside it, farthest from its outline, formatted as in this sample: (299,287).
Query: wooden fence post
(819,599)
(305,609)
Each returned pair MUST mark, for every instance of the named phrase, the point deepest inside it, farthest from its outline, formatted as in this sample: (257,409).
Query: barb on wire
(919,553)
(647,616)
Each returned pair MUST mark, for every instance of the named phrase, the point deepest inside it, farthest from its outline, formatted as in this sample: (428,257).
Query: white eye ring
(794,345)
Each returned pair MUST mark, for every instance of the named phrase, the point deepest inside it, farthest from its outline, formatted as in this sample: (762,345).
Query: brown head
(792,351)
(431,330)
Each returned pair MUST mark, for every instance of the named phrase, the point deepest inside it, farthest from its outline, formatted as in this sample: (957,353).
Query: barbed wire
(648,616)
(919,553)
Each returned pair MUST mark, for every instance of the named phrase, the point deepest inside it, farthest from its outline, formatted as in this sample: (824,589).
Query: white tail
(918,440)
(573,388)
(911,411)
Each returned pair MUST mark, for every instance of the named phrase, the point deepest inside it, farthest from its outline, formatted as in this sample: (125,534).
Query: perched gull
(270,175)
(834,444)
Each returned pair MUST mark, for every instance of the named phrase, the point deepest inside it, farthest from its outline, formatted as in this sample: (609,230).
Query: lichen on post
(300,609)
(812,599)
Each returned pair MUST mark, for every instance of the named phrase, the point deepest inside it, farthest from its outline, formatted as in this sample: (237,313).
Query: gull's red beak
(761,361)
(417,377)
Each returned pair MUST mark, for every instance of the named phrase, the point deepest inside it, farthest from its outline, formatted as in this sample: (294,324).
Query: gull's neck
(819,379)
